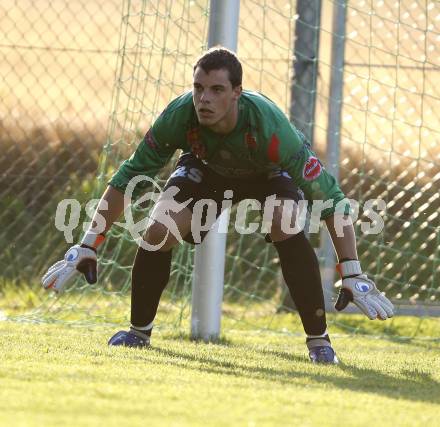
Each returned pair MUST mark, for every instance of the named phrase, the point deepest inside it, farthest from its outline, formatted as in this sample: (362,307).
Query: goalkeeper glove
(361,291)
(78,259)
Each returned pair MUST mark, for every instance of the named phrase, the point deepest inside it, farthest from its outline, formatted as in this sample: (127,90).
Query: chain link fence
(78,76)
(57,68)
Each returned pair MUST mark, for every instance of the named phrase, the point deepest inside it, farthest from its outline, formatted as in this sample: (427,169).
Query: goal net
(88,99)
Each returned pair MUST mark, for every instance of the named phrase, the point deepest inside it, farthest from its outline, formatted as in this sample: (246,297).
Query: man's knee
(158,235)
(167,228)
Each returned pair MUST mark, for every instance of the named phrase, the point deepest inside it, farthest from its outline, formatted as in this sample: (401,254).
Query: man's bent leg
(151,269)
(300,269)
(170,222)
(149,277)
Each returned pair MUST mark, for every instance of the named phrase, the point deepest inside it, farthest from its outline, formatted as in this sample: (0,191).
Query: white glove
(77,259)
(362,292)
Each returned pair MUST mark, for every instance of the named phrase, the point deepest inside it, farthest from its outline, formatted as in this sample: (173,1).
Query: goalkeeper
(239,145)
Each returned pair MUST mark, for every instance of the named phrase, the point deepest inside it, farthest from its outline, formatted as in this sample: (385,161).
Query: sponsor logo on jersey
(196,145)
(362,286)
(312,169)
(150,141)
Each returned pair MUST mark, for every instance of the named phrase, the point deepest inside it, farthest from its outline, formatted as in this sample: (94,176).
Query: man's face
(214,97)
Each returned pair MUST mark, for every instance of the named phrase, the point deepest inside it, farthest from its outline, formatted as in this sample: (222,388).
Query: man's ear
(237,91)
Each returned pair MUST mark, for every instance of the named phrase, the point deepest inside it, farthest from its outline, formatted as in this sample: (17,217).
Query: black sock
(149,277)
(300,268)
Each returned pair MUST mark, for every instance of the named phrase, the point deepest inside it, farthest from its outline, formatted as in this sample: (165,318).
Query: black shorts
(196,180)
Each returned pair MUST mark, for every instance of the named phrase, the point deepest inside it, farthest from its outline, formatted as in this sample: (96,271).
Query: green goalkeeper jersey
(262,140)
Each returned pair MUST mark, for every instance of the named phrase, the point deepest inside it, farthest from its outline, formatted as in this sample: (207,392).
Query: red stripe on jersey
(99,239)
(272,151)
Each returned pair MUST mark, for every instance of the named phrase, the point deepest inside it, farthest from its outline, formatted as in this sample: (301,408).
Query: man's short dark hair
(217,58)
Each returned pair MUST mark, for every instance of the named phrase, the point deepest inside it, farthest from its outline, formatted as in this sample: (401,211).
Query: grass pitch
(56,375)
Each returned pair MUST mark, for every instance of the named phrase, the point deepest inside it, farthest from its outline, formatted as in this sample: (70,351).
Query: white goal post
(209,263)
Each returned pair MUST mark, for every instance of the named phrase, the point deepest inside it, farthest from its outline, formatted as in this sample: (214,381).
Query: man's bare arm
(110,207)
(345,246)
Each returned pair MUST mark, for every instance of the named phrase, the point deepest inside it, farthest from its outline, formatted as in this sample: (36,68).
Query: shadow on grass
(413,386)
(393,332)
